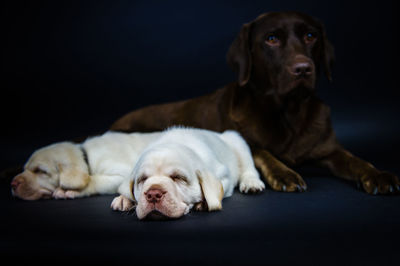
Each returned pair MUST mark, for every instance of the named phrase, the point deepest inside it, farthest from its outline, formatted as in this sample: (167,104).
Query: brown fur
(273,105)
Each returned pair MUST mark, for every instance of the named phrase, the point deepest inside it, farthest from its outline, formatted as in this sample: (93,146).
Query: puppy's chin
(161,211)
(29,191)
(156,216)
(31,194)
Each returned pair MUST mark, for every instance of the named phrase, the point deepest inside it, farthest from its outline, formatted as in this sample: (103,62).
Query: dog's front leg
(278,175)
(344,164)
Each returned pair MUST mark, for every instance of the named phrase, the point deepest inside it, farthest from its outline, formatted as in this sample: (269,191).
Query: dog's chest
(295,134)
(308,131)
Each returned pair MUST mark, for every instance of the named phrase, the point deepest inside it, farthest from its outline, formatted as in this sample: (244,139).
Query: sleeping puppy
(187,168)
(68,170)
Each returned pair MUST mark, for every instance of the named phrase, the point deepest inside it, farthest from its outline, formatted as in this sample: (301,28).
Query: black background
(69,69)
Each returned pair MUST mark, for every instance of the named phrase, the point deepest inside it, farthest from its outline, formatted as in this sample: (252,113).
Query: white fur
(208,162)
(111,158)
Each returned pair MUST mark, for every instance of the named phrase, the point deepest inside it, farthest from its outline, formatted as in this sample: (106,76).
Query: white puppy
(185,168)
(68,170)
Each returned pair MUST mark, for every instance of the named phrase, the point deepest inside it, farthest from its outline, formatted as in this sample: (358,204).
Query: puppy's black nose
(154,195)
(302,68)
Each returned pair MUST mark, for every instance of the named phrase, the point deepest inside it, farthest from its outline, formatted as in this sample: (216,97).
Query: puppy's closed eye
(142,178)
(39,170)
(176,177)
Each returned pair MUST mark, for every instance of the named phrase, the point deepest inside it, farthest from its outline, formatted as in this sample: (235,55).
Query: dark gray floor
(333,223)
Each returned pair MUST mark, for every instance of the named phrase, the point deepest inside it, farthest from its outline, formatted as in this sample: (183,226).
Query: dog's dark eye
(309,37)
(272,39)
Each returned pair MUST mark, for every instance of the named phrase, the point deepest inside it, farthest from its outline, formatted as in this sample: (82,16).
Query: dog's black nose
(303,68)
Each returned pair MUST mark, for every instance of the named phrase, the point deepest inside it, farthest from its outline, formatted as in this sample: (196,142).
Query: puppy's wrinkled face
(165,184)
(38,180)
(41,175)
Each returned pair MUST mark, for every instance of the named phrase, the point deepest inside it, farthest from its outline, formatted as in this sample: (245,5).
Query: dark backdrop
(69,69)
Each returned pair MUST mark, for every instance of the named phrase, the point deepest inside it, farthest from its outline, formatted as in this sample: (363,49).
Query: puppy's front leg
(60,193)
(344,164)
(122,203)
(278,176)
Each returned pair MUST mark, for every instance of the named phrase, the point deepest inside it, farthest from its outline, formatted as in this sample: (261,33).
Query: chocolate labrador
(278,57)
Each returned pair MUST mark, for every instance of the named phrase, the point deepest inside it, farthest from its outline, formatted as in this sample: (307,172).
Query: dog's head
(54,166)
(167,182)
(282,51)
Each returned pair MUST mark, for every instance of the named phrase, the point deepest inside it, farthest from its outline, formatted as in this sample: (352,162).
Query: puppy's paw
(71,194)
(381,183)
(251,185)
(59,193)
(287,181)
(122,203)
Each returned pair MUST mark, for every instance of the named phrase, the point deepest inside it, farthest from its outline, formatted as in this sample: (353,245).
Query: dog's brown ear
(212,190)
(239,56)
(73,177)
(328,54)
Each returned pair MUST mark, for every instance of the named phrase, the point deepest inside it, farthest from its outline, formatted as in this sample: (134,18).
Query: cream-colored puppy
(68,170)
(185,168)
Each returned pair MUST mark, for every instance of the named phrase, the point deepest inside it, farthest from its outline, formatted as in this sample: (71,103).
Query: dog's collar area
(86,159)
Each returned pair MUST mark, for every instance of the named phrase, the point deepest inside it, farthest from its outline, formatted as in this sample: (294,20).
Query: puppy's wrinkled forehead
(163,162)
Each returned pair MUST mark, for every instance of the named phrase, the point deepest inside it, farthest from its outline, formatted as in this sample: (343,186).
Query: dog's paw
(381,183)
(287,181)
(59,193)
(251,185)
(122,203)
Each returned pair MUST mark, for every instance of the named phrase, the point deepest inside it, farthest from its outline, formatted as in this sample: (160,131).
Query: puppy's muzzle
(15,184)
(154,195)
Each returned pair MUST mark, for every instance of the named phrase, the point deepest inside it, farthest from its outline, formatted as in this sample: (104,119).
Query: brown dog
(273,105)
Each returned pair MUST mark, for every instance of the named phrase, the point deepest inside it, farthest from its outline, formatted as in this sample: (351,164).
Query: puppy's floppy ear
(212,190)
(73,177)
(132,190)
(239,56)
(328,53)
(127,189)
